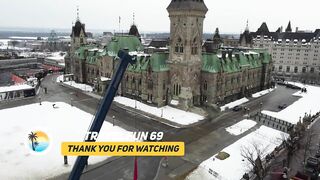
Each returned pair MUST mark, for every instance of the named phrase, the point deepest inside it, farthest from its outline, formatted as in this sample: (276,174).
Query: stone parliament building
(183,75)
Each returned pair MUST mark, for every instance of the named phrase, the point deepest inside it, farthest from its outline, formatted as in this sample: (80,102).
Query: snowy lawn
(234,103)
(241,127)
(167,112)
(64,123)
(296,84)
(261,93)
(83,87)
(213,168)
(308,103)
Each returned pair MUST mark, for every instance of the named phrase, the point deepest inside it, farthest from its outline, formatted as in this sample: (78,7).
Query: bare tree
(310,135)
(254,153)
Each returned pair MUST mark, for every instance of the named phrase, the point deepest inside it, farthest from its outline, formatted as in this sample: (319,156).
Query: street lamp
(261,106)
(161,112)
(135,103)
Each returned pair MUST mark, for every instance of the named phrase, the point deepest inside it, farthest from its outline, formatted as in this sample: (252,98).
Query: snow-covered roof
(15,88)
(104,78)
(93,49)
(174,102)
(32,79)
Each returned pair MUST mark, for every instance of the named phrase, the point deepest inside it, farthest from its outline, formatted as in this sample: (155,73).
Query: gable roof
(263,29)
(76,29)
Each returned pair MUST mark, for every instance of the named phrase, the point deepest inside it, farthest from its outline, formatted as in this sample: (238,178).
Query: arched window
(288,69)
(134,83)
(205,85)
(150,84)
(194,46)
(312,70)
(176,89)
(280,68)
(304,70)
(296,69)
(179,46)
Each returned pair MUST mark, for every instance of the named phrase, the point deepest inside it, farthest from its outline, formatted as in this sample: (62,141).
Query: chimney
(223,54)
(230,54)
(281,29)
(237,56)
(297,29)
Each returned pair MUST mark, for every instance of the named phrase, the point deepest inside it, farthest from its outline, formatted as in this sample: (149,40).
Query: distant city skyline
(230,16)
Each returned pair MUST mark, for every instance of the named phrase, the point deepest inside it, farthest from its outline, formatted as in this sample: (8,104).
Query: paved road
(202,141)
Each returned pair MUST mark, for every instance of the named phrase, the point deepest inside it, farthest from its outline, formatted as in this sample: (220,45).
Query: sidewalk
(177,168)
(139,112)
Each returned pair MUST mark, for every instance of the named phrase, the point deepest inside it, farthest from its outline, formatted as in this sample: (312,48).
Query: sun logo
(38,141)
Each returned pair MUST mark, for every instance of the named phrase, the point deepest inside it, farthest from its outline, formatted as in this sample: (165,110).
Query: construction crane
(103,109)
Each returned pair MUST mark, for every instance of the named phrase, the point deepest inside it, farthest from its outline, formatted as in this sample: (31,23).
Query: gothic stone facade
(184,76)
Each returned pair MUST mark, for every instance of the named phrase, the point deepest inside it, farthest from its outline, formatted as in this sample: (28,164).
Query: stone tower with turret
(78,38)
(186,30)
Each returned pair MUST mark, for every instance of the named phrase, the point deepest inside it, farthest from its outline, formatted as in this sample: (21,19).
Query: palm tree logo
(33,138)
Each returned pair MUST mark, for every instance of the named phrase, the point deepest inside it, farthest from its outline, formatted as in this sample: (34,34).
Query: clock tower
(186,30)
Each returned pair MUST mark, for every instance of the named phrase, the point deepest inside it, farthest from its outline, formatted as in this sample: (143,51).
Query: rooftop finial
(133,18)
(78,18)
(247,26)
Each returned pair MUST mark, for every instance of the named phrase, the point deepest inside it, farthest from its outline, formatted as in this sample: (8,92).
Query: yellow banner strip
(123,148)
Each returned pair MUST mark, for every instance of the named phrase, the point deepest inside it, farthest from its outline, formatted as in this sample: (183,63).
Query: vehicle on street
(282,106)
(237,108)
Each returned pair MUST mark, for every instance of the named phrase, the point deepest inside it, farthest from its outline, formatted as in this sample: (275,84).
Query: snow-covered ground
(308,103)
(23,38)
(61,124)
(213,168)
(166,112)
(57,56)
(261,93)
(234,103)
(4,42)
(241,127)
(83,87)
(296,84)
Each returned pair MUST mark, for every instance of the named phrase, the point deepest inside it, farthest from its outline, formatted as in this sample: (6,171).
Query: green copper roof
(211,63)
(123,42)
(214,63)
(88,54)
(80,53)
(140,65)
(266,59)
(157,61)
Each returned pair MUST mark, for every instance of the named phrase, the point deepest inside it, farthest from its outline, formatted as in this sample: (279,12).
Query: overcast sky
(151,15)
